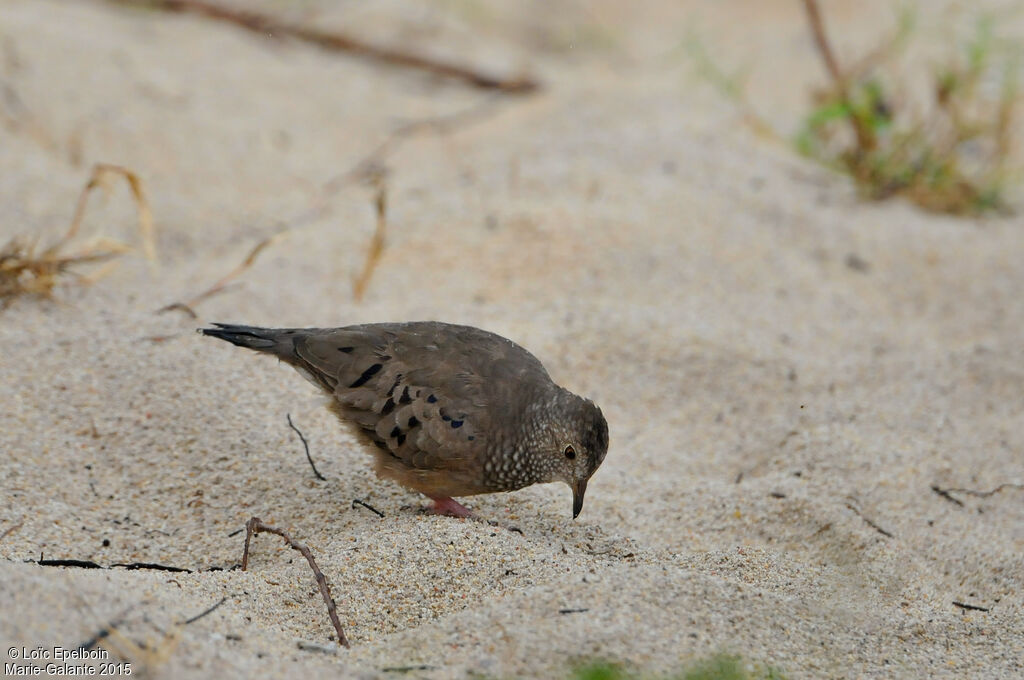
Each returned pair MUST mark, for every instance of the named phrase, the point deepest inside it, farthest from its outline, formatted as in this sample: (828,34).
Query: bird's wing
(429,394)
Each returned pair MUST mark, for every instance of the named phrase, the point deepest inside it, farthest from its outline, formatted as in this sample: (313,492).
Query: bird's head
(576,441)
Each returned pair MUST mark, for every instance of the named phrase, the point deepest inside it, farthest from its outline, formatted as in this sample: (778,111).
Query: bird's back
(434,397)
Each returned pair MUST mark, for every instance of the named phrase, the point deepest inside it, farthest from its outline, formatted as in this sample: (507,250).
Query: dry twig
(131,566)
(221,285)
(205,612)
(970,607)
(870,523)
(986,494)
(305,444)
(357,501)
(376,248)
(23,271)
(267,25)
(371,168)
(944,493)
(101,175)
(104,632)
(254,526)
(10,530)
(147,655)
(947,493)
(15,116)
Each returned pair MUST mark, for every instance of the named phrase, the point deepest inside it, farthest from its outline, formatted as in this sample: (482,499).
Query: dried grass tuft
(376,249)
(25,269)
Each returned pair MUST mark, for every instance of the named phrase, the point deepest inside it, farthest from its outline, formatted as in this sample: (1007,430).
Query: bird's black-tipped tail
(285,343)
(272,340)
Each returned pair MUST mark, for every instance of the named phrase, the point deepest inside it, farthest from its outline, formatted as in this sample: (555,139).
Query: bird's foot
(450,507)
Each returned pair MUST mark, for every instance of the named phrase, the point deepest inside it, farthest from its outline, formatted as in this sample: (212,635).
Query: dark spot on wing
(398,379)
(367,374)
(401,439)
(405,398)
(431,399)
(413,422)
(378,442)
(346,350)
(396,432)
(470,437)
(456,424)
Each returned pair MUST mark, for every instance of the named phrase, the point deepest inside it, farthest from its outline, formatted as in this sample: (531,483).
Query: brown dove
(452,410)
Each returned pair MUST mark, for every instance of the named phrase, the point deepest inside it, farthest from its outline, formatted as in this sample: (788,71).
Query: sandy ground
(786,371)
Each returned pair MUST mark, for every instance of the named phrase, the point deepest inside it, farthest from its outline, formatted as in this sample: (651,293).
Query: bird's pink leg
(449,506)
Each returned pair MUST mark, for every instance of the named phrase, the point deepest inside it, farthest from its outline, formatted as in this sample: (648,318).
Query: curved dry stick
(99,172)
(305,444)
(376,249)
(945,493)
(188,307)
(254,526)
(267,25)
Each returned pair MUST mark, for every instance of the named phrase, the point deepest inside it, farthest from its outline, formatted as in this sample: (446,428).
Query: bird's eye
(570,452)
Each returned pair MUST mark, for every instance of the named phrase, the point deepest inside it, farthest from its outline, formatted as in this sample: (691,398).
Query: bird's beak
(578,489)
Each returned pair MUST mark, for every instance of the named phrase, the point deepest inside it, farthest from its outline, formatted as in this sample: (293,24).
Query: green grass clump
(718,667)
(954,156)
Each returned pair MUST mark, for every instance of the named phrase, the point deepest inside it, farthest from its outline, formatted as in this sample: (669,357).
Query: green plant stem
(865,137)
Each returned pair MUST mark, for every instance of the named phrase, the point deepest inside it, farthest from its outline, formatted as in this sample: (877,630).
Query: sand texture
(787,371)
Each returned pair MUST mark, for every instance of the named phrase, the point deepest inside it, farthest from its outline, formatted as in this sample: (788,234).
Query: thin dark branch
(871,524)
(356,501)
(574,611)
(985,494)
(105,631)
(944,493)
(81,564)
(150,565)
(160,338)
(254,526)
(267,25)
(329,648)
(89,564)
(95,639)
(181,307)
(225,282)
(203,613)
(376,249)
(10,530)
(371,166)
(306,445)
(970,607)
(101,635)
(822,43)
